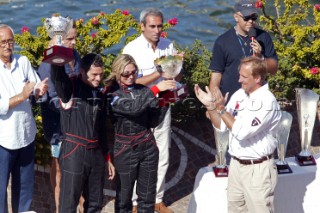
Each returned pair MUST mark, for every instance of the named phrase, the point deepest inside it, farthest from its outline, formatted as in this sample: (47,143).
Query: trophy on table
(172,65)
(58,27)
(307,104)
(222,140)
(283,136)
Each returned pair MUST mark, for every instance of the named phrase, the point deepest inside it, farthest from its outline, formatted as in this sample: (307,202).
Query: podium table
(297,192)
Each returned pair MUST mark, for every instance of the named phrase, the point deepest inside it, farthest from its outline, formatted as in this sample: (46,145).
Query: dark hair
(150,12)
(91,59)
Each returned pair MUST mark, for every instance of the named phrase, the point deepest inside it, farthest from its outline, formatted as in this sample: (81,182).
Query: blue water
(198,19)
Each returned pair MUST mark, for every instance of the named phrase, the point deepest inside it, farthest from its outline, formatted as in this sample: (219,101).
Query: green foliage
(295,25)
(195,71)
(42,147)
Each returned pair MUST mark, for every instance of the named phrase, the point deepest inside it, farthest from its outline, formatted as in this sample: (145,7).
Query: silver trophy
(283,132)
(58,27)
(307,104)
(222,140)
(172,66)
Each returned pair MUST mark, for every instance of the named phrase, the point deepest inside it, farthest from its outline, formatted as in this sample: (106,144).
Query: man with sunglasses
(235,44)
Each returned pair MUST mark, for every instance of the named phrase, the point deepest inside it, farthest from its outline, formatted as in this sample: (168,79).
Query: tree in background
(295,25)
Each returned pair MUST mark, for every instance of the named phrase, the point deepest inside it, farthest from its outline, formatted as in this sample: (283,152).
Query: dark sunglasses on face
(253,17)
(127,75)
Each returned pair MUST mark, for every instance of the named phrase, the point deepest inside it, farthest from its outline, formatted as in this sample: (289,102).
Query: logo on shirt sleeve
(235,111)
(255,122)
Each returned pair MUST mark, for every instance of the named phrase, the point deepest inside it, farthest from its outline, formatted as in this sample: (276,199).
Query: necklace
(244,39)
(245,42)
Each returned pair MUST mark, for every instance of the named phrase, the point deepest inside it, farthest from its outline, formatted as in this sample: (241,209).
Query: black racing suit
(135,110)
(81,159)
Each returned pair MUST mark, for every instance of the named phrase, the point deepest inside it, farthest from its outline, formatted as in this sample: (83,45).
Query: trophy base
(221,172)
(305,160)
(283,168)
(58,55)
(175,95)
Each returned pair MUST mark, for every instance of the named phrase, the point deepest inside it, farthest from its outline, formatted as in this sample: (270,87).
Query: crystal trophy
(222,140)
(58,27)
(283,136)
(307,104)
(172,66)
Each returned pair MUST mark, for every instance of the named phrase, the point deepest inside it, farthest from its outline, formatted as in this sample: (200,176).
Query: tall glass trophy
(307,104)
(172,66)
(58,27)
(222,140)
(283,136)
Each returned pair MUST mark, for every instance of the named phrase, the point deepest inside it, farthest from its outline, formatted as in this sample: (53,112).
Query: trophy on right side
(283,136)
(307,104)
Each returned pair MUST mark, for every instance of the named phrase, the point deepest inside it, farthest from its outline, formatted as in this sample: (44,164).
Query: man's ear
(142,27)
(257,79)
(236,17)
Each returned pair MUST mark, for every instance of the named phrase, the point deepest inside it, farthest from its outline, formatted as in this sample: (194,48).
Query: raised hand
(41,88)
(220,101)
(205,98)
(27,89)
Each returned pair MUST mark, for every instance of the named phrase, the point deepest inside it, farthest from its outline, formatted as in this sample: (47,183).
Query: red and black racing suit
(82,164)
(135,110)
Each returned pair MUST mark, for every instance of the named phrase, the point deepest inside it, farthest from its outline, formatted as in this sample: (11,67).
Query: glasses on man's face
(5,42)
(127,75)
(252,17)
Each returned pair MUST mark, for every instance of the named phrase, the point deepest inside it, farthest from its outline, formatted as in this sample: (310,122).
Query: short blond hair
(118,65)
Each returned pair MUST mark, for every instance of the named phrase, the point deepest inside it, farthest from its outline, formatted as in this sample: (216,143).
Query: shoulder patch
(255,122)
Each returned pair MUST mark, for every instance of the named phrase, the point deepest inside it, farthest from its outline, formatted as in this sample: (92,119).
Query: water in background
(198,19)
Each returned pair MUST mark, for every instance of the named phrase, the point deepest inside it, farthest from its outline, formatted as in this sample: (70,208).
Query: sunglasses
(253,17)
(127,75)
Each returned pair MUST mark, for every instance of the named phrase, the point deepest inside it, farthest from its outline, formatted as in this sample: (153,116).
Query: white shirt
(17,125)
(141,50)
(256,118)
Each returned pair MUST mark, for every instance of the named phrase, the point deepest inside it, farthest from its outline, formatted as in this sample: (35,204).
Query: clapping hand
(27,89)
(41,88)
(220,101)
(205,97)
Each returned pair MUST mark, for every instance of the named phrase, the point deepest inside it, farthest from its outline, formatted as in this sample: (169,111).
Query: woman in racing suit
(134,110)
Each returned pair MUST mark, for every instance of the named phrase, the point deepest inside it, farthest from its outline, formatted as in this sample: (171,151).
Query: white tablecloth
(298,192)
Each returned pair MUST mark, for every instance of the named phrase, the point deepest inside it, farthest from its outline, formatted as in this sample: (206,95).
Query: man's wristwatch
(221,112)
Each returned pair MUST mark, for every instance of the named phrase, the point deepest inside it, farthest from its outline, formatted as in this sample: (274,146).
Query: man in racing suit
(83,150)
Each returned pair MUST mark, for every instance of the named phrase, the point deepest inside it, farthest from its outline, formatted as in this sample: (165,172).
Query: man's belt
(88,143)
(252,161)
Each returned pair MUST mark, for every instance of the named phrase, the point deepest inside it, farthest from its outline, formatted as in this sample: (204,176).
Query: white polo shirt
(17,125)
(141,50)
(253,133)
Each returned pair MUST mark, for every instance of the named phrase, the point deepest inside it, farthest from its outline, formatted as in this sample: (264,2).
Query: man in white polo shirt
(145,49)
(252,116)
(17,126)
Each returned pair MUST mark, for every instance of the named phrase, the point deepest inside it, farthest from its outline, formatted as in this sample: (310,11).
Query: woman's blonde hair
(118,65)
